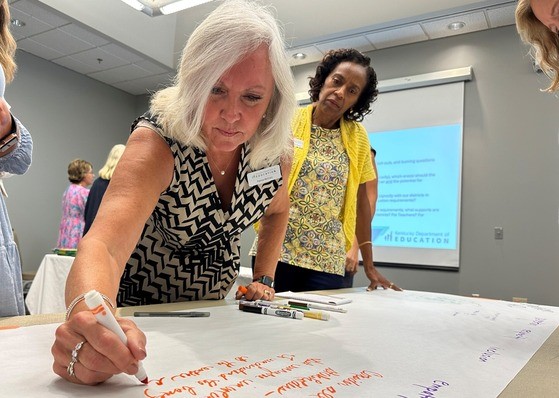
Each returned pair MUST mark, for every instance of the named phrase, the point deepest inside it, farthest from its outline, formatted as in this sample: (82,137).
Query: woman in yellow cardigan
(329,205)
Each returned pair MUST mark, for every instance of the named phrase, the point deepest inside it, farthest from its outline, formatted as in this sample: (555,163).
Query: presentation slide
(419,171)
(417,134)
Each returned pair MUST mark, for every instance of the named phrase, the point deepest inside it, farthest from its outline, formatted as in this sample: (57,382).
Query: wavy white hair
(233,30)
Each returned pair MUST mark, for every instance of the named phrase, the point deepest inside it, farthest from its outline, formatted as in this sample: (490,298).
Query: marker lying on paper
(314,306)
(9,327)
(323,316)
(177,314)
(106,318)
(306,313)
(248,306)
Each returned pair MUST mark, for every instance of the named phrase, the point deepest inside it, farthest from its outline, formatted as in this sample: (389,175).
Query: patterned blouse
(189,248)
(72,222)
(315,238)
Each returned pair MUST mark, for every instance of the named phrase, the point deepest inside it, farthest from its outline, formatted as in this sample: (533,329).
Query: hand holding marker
(105,317)
(271,306)
(242,289)
(301,307)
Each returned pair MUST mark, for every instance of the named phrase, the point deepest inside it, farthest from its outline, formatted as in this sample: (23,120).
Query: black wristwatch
(265,280)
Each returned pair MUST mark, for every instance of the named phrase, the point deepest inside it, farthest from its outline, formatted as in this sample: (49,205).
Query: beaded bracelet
(79,299)
(364,243)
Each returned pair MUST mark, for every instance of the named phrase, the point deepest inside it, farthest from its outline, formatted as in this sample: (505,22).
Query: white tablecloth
(46,294)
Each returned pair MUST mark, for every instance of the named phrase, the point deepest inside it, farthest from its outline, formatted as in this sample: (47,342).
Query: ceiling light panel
(181,5)
(397,37)
(311,52)
(439,28)
(358,42)
(154,8)
(501,16)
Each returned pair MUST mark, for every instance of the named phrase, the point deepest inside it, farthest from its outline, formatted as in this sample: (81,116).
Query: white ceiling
(113,43)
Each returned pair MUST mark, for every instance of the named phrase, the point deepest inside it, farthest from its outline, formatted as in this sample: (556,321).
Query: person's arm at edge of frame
(144,171)
(363,233)
(271,234)
(16,159)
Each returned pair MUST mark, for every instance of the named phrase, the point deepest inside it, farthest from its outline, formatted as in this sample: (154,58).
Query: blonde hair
(77,169)
(233,30)
(7,43)
(544,43)
(108,169)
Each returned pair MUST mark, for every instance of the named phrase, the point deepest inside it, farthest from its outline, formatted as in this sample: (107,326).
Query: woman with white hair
(209,159)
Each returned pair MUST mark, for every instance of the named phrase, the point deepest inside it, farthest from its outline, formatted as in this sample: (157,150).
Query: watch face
(266,280)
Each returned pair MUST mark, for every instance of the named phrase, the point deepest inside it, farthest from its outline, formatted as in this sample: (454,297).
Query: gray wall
(510,168)
(69,116)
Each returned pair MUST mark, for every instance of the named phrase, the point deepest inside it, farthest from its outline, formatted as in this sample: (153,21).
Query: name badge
(298,143)
(264,175)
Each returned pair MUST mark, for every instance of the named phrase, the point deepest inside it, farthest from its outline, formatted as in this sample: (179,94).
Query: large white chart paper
(388,344)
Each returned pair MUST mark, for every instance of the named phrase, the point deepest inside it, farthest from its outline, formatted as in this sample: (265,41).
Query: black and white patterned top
(189,247)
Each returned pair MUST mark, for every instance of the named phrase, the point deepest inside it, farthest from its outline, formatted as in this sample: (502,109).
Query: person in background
(100,185)
(16,147)
(329,205)
(352,256)
(537,22)
(80,174)
(207,162)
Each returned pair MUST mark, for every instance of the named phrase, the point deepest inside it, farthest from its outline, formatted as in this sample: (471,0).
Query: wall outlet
(519,300)
(498,232)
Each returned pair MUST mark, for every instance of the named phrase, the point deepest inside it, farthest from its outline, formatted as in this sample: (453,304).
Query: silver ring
(391,284)
(74,360)
(70,368)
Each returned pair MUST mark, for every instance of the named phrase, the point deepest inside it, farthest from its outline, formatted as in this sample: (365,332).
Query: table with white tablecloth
(46,294)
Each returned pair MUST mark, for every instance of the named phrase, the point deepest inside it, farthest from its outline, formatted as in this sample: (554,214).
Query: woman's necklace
(222,171)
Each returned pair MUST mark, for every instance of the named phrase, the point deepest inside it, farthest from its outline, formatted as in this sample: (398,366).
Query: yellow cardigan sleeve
(358,148)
